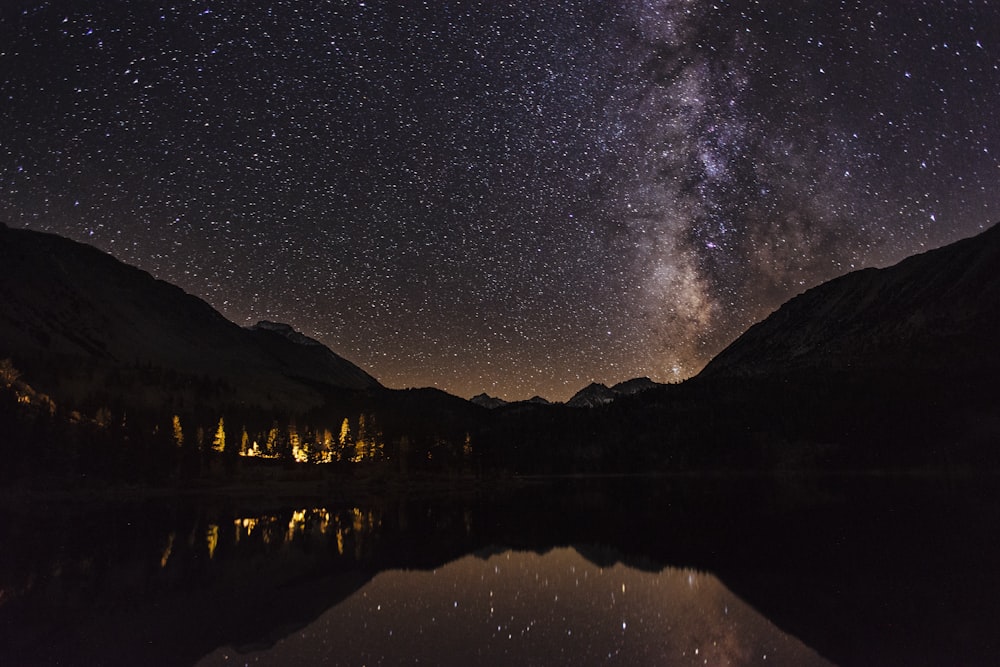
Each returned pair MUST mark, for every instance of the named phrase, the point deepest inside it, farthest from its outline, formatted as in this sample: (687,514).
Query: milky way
(511,197)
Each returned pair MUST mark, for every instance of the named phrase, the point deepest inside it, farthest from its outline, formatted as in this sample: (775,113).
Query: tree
(8,374)
(219,441)
(362,446)
(325,455)
(271,447)
(178,432)
(300,454)
(346,442)
(369,446)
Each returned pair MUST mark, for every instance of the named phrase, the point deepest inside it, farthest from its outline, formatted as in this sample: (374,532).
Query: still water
(663,571)
(525,608)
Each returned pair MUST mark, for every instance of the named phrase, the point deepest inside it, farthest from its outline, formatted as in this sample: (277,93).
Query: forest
(837,422)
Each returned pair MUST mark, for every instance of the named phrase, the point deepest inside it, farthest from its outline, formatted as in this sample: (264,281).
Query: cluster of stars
(512,197)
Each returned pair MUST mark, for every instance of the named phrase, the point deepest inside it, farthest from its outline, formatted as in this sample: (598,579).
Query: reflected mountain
(524,608)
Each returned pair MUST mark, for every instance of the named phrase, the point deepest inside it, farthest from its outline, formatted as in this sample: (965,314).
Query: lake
(735,570)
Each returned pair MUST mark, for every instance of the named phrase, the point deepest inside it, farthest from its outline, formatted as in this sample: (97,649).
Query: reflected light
(317,521)
(212,539)
(168,550)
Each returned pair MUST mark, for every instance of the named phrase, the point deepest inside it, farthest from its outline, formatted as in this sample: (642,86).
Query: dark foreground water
(637,571)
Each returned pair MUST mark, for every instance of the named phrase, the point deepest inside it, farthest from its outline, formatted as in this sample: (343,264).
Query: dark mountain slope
(305,358)
(939,310)
(878,370)
(73,317)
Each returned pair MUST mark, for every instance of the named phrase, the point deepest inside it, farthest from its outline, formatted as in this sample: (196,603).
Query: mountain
(306,358)
(484,400)
(77,322)
(537,400)
(634,386)
(596,393)
(934,312)
(592,395)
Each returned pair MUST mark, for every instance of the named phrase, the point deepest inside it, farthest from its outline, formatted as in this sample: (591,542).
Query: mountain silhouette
(596,394)
(593,395)
(936,311)
(306,358)
(881,367)
(75,319)
(939,310)
(484,400)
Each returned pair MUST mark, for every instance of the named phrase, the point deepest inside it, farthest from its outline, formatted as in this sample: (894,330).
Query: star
(523,197)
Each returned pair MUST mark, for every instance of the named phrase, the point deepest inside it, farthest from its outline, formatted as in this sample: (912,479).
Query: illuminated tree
(376,445)
(271,446)
(326,446)
(178,432)
(369,446)
(361,447)
(102,418)
(244,442)
(300,453)
(345,452)
(190,449)
(8,374)
(219,441)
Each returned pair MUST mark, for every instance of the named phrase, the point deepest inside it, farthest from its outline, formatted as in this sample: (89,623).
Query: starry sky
(514,197)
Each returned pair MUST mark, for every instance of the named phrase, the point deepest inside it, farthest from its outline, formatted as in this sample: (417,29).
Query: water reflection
(350,526)
(845,565)
(526,608)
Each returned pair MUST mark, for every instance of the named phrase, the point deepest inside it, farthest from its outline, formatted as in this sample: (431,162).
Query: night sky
(512,197)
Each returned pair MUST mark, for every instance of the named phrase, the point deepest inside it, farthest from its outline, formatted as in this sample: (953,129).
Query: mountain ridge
(71,311)
(934,310)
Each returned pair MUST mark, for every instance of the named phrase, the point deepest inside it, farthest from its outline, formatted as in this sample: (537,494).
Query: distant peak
(634,386)
(274,326)
(487,401)
(285,330)
(597,393)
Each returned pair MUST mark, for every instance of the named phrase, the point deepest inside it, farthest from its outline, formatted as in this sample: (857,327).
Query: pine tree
(219,441)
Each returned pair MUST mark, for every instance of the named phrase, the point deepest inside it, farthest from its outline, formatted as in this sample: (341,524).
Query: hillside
(74,318)
(879,368)
(937,311)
